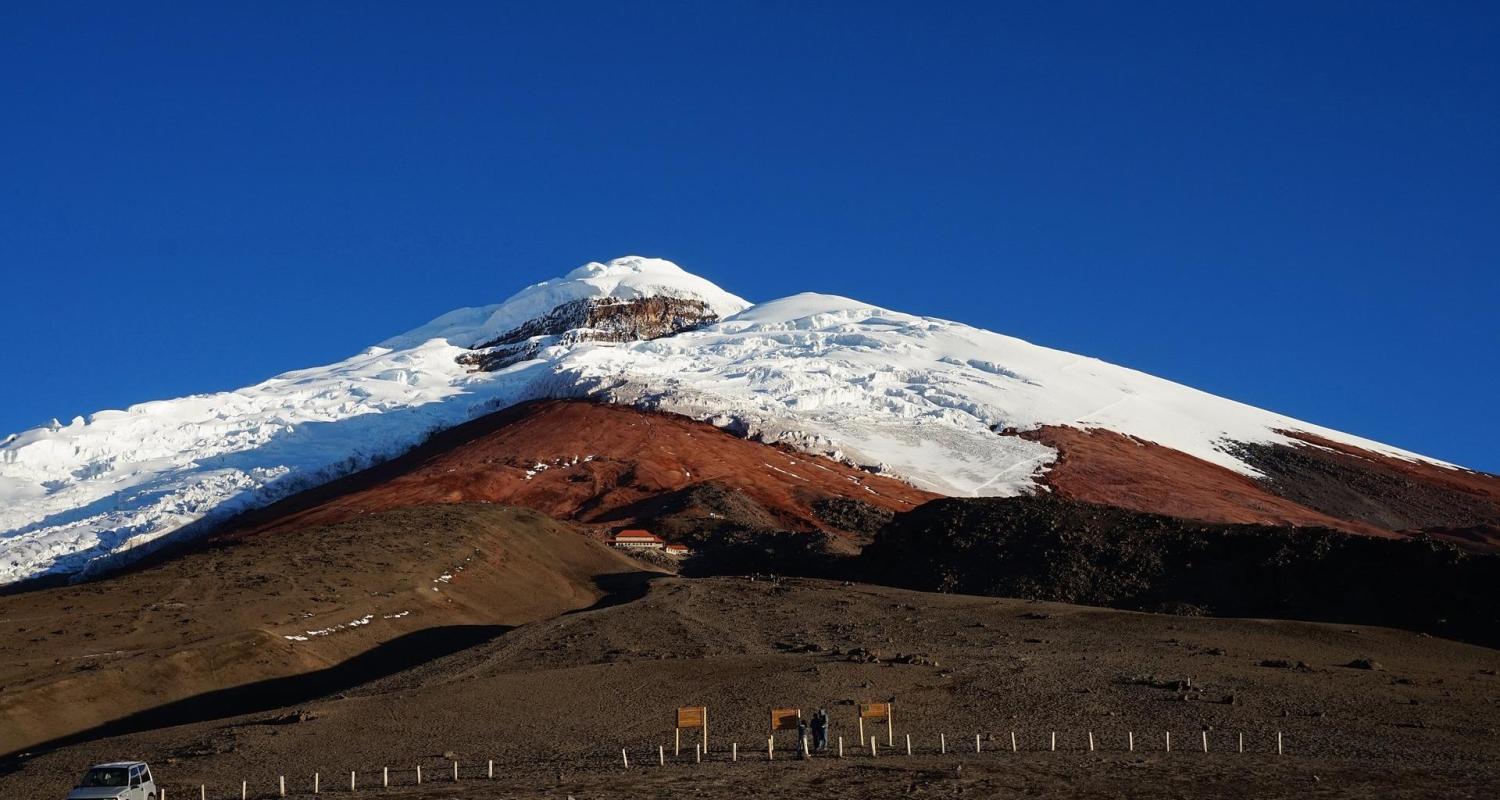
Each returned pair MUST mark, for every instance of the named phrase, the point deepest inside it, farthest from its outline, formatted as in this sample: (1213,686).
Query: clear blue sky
(1296,206)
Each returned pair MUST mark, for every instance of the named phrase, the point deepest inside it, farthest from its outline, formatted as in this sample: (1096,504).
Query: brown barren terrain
(1322,483)
(218,617)
(591,463)
(1363,711)
(1108,468)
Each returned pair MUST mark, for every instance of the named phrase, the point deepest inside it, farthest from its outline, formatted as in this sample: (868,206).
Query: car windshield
(106,776)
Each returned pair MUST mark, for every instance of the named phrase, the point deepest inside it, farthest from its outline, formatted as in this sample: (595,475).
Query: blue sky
(1293,205)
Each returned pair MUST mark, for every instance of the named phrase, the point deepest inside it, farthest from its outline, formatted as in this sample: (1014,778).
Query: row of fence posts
(317,786)
(874,746)
(734,755)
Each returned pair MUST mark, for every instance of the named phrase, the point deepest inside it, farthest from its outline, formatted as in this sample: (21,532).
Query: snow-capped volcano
(920,398)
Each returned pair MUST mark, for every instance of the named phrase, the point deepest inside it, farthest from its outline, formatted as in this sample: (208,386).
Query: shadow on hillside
(390,658)
(622,587)
(386,659)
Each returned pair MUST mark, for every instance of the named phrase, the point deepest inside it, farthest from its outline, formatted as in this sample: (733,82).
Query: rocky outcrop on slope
(606,319)
(1353,484)
(1049,548)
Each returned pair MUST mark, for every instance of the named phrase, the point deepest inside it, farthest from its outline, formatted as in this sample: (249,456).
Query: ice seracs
(919,397)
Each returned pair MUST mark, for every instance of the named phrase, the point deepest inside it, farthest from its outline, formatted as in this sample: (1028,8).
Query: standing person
(820,730)
(801,736)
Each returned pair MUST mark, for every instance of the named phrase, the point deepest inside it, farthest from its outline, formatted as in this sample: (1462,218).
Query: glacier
(915,397)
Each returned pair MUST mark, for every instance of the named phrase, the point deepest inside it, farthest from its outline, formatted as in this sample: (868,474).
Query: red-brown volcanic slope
(1323,483)
(1101,466)
(601,463)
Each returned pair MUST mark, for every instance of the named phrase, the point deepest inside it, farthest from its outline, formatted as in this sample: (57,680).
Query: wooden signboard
(876,712)
(691,717)
(785,719)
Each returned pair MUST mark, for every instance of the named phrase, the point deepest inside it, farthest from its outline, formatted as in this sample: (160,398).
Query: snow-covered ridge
(626,278)
(920,397)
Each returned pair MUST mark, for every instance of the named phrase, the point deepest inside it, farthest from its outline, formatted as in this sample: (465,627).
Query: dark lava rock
(1054,549)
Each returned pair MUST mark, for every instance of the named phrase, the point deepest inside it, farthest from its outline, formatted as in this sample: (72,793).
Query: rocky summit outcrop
(599,320)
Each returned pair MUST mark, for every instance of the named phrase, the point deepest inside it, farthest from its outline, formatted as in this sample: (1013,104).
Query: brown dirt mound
(219,615)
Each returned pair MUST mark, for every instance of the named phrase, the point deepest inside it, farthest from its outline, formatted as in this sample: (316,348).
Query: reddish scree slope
(1322,484)
(590,463)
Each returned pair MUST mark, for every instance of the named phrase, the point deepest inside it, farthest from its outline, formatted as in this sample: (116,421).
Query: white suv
(120,780)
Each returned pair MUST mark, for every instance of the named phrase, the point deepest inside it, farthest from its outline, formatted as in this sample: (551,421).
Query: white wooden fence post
(661,754)
(1278,743)
(244,790)
(874,748)
(625,757)
(419,774)
(1205,741)
(1091,741)
(385,777)
(771,748)
(316,787)
(677,742)
(734,751)
(1013,747)
(202,792)
(1054,741)
(1130,739)
(455,772)
(351,780)
(1169,741)
(908,744)
(492,769)
(841,747)
(1242,741)
(698,753)
(283,785)
(977,746)
(943,743)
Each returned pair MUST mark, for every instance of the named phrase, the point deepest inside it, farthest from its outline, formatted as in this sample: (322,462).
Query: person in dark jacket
(820,730)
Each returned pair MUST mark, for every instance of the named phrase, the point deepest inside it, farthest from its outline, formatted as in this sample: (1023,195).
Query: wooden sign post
(785,719)
(876,712)
(691,717)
